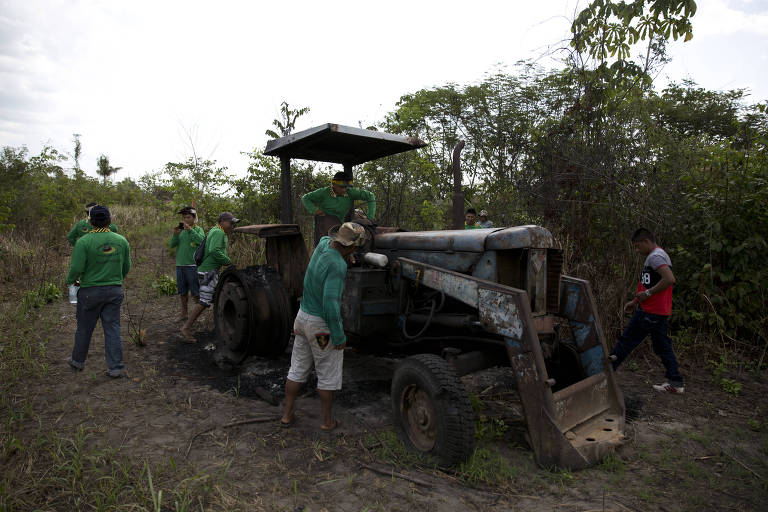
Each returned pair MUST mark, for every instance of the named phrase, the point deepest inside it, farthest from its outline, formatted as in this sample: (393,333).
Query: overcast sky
(140,79)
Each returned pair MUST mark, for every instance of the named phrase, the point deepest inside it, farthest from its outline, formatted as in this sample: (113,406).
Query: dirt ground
(705,450)
(683,452)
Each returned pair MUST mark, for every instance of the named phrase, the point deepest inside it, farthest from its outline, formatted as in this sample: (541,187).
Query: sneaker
(669,388)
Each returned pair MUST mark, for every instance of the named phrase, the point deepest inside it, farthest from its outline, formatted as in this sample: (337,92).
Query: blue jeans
(93,303)
(641,325)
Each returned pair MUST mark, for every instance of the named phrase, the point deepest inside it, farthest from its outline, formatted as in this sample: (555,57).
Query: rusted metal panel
(536,284)
(464,240)
(288,255)
(582,400)
(469,240)
(269,230)
(457,261)
(520,236)
(340,144)
(486,267)
(500,313)
(453,284)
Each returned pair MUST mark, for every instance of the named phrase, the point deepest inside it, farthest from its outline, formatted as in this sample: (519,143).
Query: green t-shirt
(82,227)
(323,286)
(187,242)
(215,250)
(472,226)
(323,199)
(100,258)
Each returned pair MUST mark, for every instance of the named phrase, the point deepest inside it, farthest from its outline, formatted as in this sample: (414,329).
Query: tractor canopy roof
(340,144)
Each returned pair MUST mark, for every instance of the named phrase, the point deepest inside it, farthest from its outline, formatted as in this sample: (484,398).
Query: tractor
(459,300)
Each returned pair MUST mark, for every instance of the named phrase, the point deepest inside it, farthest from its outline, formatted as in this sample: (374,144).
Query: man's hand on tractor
(340,347)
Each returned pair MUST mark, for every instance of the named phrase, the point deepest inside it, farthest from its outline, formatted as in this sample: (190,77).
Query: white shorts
(328,361)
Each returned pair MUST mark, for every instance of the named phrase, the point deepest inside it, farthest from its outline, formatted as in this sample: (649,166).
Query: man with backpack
(213,258)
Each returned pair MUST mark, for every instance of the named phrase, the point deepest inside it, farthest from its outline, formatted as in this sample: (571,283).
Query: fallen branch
(228,425)
(737,461)
(392,473)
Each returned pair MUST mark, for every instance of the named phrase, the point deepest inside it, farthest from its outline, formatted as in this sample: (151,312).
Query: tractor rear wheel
(431,409)
(253,313)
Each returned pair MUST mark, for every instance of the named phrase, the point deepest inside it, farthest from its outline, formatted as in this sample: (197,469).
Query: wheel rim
(419,413)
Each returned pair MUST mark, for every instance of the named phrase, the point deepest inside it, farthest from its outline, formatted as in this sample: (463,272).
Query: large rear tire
(432,411)
(253,313)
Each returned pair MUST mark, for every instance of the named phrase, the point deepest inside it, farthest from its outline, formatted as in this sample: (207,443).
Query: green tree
(287,121)
(104,169)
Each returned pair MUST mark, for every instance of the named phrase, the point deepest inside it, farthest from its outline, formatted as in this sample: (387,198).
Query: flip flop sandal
(335,426)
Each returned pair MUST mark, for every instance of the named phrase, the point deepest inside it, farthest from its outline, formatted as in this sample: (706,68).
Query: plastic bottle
(73,293)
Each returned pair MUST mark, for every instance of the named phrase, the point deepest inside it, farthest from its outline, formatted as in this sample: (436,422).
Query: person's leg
(182,288)
(328,365)
(110,321)
(186,331)
(208,281)
(301,364)
(662,346)
(632,336)
(291,393)
(326,408)
(88,309)
(184,315)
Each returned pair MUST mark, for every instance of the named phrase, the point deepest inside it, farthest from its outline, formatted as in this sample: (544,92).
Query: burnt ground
(706,448)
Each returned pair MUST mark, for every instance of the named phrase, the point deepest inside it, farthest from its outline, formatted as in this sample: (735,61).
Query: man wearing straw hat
(319,335)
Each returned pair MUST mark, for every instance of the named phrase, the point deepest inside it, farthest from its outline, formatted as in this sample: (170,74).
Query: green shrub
(165,285)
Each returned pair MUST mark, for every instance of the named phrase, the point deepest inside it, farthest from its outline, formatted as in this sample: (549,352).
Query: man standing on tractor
(653,301)
(215,256)
(319,334)
(186,238)
(84,226)
(336,202)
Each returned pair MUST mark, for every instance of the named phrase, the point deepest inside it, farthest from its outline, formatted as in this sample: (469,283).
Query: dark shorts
(186,280)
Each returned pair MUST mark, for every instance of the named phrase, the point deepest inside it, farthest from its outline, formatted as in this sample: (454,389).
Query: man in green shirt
(208,272)
(319,334)
(100,261)
(83,226)
(330,205)
(470,220)
(186,238)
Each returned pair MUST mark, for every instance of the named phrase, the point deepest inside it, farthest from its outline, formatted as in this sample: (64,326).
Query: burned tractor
(461,301)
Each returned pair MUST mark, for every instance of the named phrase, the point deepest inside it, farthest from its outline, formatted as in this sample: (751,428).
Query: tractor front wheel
(432,410)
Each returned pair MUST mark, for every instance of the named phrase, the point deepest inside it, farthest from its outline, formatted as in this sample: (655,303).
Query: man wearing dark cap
(83,226)
(186,237)
(319,335)
(208,272)
(336,201)
(100,261)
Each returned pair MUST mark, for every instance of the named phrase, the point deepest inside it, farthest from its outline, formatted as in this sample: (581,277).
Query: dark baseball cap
(228,216)
(187,210)
(100,213)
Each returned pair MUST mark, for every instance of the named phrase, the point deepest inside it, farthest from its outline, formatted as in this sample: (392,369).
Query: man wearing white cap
(320,338)
(484,222)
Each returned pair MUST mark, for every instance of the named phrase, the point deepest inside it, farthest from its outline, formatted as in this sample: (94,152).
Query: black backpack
(200,252)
